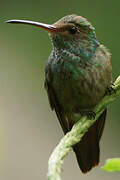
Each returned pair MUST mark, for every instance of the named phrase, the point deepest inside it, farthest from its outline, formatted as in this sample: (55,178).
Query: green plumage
(78,73)
(76,82)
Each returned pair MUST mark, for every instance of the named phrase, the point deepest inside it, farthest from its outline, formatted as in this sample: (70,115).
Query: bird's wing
(55,106)
(87,150)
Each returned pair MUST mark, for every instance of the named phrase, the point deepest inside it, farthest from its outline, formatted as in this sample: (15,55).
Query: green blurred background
(29,130)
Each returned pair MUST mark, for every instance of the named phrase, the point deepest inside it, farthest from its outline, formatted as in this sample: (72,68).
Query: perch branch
(76,134)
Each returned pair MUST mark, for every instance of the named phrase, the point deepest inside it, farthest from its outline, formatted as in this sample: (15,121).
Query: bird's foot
(90,114)
(110,90)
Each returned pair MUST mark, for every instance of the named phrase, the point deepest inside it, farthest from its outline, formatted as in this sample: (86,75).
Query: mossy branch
(76,134)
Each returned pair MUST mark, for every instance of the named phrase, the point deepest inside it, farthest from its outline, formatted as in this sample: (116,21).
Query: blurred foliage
(112,165)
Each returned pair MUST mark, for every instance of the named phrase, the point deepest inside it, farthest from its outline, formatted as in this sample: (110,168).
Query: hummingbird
(78,74)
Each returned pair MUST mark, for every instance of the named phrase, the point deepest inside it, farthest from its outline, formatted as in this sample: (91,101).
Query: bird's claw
(89,114)
(110,90)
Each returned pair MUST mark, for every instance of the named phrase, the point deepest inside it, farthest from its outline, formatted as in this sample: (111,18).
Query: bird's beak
(47,27)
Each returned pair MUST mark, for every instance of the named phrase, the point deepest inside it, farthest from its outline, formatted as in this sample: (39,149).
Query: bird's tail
(87,151)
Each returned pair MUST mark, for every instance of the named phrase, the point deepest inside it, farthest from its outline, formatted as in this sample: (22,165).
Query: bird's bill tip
(12,21)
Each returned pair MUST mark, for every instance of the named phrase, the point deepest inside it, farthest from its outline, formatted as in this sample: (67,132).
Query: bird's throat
(82,48)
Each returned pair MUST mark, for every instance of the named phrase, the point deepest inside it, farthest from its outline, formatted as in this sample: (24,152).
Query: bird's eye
(73,30)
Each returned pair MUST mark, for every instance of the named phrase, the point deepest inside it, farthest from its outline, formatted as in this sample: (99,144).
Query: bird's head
(70,32)
(73,29)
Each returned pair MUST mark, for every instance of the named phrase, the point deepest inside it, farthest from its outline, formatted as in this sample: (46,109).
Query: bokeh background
(29,130)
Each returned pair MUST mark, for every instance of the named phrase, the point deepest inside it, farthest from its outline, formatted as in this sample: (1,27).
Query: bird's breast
(79,86)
